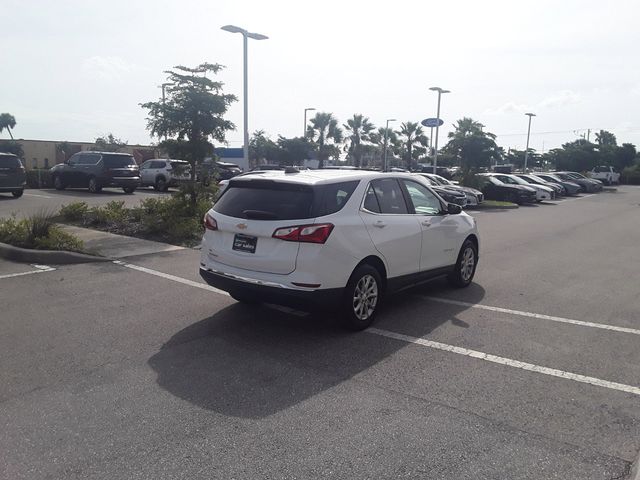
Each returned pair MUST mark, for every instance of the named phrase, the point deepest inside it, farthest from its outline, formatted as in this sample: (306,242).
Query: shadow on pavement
(252,362)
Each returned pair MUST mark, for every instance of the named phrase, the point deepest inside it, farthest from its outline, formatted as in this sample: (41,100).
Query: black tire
(129,189)
(161,184)
(17,193)
(363,292)
(94,187)
(243,298)
(463,272)
(57,183)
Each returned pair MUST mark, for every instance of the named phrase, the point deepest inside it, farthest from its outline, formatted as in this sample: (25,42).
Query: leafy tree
(516,158)
(325,133)
(293,151)
(604,137)
(261,147)
(625,156)
(393,143)
(413,142)
(7,121)
(191,116)
(472,146)
(108,143)
(359,129)
(11,146)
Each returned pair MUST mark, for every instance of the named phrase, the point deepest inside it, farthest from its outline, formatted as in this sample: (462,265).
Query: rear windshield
(179,165)
(9,161)
(269,200)
(118,161)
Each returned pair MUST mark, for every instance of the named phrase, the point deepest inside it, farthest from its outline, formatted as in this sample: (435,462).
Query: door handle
(380,224)
(426,223)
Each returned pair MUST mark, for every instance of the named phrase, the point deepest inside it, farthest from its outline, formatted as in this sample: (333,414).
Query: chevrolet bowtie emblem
(241,226)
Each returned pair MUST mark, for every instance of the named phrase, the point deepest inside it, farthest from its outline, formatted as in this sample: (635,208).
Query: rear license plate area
(244,243)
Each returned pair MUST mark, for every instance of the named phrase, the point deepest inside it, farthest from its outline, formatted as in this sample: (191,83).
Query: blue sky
(74,70)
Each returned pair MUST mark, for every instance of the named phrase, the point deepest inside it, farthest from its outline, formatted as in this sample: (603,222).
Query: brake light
(305,233)
(210,222)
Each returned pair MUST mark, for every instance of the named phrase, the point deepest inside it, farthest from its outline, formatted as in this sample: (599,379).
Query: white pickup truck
(606,175)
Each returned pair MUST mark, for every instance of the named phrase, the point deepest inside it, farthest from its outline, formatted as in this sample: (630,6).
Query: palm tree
(606,138)
(360,129)
(7,121)
(413,140)
(325,133)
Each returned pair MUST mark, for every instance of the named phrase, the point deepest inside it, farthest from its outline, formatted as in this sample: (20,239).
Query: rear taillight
(210,222)
(305,233)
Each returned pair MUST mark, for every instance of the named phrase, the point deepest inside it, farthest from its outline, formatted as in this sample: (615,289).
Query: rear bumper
(120,182)
(304,299)
(16,188)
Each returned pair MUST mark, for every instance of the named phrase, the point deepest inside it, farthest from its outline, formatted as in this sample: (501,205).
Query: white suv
(163,173)
(333,238)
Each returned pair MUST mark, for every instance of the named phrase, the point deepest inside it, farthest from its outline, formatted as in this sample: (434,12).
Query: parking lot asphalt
(138,370)
(49,199)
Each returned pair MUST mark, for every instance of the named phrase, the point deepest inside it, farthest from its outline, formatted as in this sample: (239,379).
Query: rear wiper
(259,215)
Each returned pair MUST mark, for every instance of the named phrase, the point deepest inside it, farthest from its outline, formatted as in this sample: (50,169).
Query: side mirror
(453,209)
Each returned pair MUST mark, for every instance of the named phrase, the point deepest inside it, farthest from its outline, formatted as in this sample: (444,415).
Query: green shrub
(58,239)
(39,224)
(74,212)
(631,175)
(37,231)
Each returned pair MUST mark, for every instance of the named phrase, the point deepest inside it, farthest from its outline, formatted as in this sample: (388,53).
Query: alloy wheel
(365,297)
(467,264)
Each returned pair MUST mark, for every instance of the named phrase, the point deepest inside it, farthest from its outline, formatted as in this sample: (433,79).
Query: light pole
(245,36)
(163,101)
(526,151)
(304,131)
(386,130)
(435,153)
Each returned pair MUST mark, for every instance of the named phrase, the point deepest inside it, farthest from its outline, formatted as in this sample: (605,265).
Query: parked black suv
(12,174)
(95,170)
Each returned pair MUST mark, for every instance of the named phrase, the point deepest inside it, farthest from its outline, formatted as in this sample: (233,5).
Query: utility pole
(526,152)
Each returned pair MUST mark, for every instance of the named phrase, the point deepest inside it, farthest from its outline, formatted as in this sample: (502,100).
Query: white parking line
(39,269)
(36,195)
(167,276)
(536,315)
(507,361)
(578,198)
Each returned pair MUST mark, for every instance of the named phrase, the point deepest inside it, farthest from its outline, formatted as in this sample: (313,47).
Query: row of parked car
(535,187)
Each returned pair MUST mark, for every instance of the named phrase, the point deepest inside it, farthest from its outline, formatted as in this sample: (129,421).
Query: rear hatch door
(248,213)
(11,171)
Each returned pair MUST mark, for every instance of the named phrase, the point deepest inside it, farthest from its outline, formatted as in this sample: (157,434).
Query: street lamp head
(233,29)
(309,109)
(256,36)
(438,89)
(530,114)
(391,120)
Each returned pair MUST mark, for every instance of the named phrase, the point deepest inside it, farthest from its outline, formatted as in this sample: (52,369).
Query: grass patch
(38,231)
(496,204)
(173,219)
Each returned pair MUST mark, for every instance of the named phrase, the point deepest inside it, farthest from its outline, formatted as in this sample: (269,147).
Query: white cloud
(509,107)
(113,69)
(561,99)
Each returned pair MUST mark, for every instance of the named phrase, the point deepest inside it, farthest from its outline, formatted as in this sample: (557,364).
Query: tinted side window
(74,159)
(371,201)
(424,202)
(332,197)
(89,158)
(158,164)
(389,195)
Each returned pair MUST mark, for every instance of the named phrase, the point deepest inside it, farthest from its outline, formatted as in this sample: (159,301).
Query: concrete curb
(55,257)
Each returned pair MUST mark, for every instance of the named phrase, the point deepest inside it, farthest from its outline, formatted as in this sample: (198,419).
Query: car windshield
(118,161)
(519,180)
(509,180)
